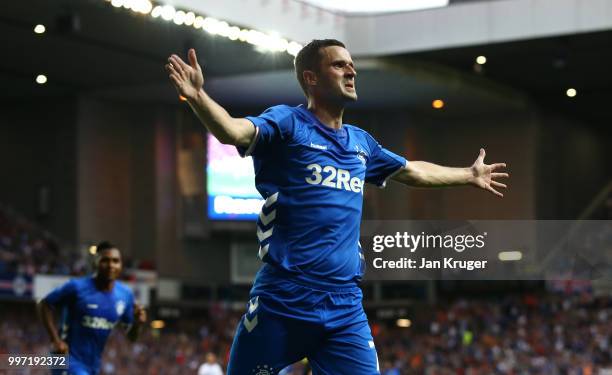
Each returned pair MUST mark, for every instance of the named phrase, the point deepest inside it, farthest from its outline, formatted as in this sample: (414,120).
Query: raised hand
(484,175)
(186,78)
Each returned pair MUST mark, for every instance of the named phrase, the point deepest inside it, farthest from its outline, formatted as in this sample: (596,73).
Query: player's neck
(104,284)
(330,114)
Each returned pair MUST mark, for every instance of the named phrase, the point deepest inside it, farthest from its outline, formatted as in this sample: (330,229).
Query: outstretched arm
(188,81)
(481,175)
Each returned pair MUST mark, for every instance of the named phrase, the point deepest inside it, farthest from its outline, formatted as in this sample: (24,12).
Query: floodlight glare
(198,22)
(179,17)
(209,25)
(189,18)
(41,79)
(168,12)
(233,33)
(244,35)
(145,7)
(293,48)
(509,256)
(438,104)
(403,323)
(283,44)
(378,6)
(262,41)
(481,60)
(571,92)
(223,28)
(157,11)
(39,29)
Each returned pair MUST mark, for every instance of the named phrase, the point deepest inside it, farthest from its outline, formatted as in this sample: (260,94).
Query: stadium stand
(518,334)
(26,249)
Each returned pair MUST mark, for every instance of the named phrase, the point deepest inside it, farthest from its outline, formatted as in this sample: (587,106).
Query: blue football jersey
(89,315)
(312,179)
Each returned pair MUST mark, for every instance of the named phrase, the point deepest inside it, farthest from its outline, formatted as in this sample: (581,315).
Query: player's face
(109,265)
(336,78)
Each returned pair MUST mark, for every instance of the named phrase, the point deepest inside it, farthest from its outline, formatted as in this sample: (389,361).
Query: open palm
(187,78)
(485,175)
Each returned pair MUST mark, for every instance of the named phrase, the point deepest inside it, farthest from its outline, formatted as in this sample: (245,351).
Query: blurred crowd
(513,335)
(25,249)
(557,334)
(520,335)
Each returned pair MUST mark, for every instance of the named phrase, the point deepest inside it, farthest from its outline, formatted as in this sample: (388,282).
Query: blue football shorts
(74,368)
(286,322)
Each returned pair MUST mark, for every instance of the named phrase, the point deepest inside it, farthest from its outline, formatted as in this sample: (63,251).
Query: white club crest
(361,154)
(120,307)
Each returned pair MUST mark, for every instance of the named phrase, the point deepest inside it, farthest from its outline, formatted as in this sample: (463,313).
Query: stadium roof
(91,48)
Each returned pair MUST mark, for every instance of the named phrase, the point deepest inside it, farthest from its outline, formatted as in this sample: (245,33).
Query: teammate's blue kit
(88,316)
(305,301)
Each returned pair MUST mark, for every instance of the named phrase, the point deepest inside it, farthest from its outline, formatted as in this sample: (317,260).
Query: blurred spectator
(210,367)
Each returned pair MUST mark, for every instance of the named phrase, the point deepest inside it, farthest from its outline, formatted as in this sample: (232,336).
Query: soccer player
(311,169)
(91,306)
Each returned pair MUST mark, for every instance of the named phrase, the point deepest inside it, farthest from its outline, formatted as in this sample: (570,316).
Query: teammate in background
(90,308)
(311,169)
(211,366)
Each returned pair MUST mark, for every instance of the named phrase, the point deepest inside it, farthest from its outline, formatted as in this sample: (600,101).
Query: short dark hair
(309,58)
(105,245)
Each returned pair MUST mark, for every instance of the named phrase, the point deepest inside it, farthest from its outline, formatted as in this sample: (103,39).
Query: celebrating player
(91,307)
(311,169)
